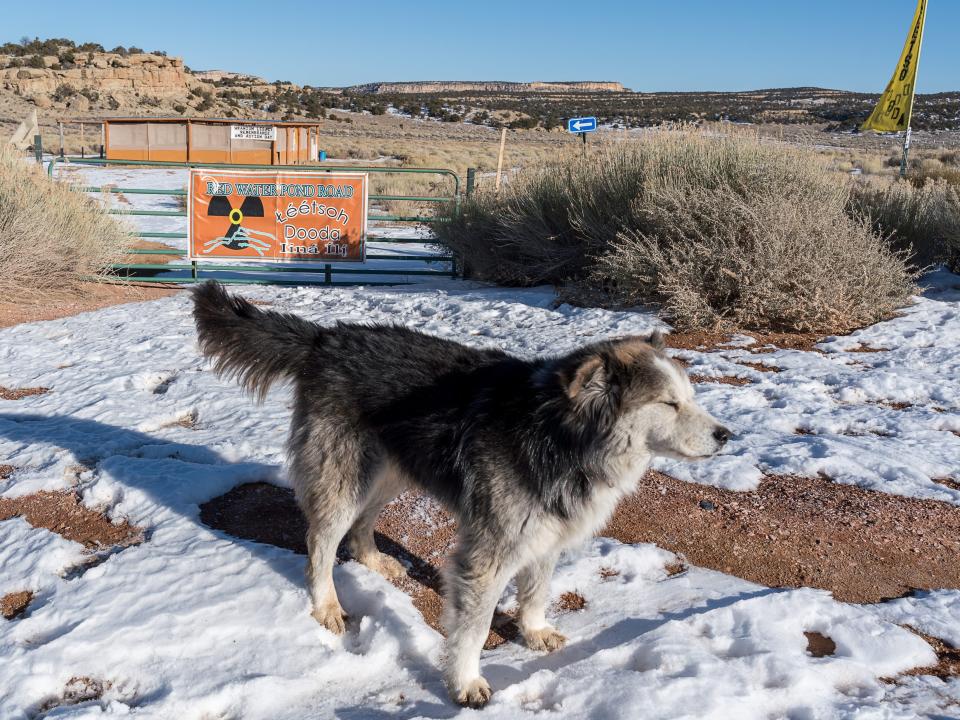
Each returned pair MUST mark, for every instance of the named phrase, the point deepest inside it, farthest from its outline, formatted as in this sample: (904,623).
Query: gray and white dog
(530,456)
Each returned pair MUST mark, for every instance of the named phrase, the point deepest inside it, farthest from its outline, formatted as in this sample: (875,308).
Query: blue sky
(647,45)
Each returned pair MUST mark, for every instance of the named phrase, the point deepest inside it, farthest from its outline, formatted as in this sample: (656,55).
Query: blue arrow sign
(581,125)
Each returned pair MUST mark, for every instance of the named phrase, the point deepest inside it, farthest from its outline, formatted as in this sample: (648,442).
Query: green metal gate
(281,274)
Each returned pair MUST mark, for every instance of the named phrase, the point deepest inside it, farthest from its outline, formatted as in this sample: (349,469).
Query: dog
(530,456)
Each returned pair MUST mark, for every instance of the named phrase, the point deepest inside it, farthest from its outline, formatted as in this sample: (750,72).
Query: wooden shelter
(210,140)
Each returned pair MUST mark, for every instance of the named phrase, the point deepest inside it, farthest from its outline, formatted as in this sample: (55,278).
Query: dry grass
(921,216)
(722,232)
(51,238)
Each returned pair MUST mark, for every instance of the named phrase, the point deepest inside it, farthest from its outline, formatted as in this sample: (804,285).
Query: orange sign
(277,216)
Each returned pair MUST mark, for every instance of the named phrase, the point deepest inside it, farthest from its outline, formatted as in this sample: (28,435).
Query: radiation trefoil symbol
(237,237)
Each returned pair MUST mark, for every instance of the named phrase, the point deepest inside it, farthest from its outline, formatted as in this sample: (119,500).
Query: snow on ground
(841,401)
(195,624)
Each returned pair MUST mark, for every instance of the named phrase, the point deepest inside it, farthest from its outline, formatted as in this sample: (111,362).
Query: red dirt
(719,379)
(13,605)
(948,658)
(20,393)
(863,546)
(819,645)
(947,482)
(79,689)
(570,602)
(62,513)
(759,366)
(765,341)
(607,573)
(90,296)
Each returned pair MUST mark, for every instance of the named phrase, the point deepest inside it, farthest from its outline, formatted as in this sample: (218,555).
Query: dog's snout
(721,435)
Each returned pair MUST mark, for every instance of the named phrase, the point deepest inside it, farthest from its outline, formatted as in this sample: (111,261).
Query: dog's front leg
(533,591)
(473,586)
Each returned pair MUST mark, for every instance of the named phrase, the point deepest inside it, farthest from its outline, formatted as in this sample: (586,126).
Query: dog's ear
(656,340)
(588,381)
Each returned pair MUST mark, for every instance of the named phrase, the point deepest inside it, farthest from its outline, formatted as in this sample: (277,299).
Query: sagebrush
(51,237)
(722,232)
(920,216)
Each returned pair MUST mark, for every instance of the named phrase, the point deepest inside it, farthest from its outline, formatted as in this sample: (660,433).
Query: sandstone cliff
(127,80)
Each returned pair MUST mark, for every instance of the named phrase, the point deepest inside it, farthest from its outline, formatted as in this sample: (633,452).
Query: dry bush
(722,232)
(722,259)
(51,237)
(922,219)
(935,171)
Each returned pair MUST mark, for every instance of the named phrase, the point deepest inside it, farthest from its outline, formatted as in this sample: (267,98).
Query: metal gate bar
(150,272)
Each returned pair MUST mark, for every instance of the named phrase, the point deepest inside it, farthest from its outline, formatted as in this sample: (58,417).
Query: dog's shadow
(254,509)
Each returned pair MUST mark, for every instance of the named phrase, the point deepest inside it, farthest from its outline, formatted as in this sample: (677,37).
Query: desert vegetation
(919,215)
(51,238)
(722,232)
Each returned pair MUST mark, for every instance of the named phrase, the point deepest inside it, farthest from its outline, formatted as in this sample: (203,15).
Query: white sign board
(253,132)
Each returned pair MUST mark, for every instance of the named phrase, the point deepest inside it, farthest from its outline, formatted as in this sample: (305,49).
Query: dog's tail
(254,346)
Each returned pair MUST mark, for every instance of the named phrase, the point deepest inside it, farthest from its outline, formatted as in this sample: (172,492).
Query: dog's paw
(475,693)
(332,617)
(389,567)
(544,639)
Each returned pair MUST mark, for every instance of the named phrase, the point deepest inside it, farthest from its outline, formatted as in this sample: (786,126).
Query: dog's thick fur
(530,456)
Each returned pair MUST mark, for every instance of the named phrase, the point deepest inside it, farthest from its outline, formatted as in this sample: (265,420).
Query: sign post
(277,216)
(582,126)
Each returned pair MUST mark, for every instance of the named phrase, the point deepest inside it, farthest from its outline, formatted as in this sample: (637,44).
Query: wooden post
(81,140)
(503,140)
(61,137)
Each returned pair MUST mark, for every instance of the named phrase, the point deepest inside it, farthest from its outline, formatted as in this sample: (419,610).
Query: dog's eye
(674,405)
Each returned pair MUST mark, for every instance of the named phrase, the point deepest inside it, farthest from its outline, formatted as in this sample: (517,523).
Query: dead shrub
(51,237)
(722,232)
(722,259)
(922,219)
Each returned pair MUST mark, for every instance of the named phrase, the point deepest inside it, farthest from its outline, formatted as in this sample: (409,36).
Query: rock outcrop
(127,79)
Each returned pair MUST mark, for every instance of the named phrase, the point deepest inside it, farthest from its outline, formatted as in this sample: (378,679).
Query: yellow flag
(892,113)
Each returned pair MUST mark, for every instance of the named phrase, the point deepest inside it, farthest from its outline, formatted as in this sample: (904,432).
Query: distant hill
(459,86)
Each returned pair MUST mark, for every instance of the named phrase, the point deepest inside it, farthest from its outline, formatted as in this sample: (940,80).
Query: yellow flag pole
(916,72)
(894,111)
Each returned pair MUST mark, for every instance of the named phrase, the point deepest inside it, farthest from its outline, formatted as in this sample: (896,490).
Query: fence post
(61,139)
(38,148)
(471,179)
(101,152)
(327,275)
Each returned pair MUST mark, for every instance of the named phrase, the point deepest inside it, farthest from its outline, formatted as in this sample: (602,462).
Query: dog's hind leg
(327,470)
(533,591)
(323,537)
(387,484)
(473,585)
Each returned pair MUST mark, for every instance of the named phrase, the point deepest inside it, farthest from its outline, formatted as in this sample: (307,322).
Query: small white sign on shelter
(253,132)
